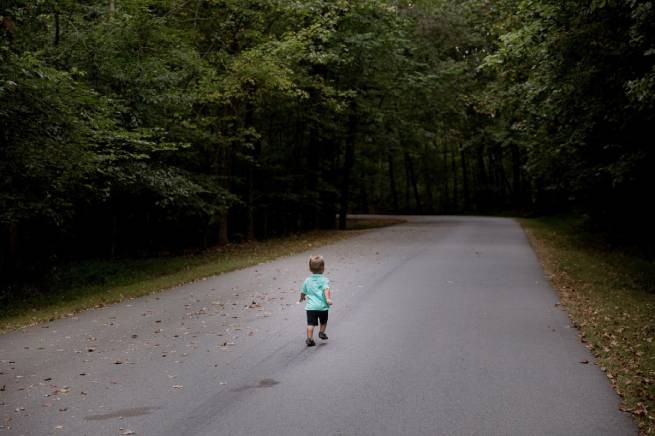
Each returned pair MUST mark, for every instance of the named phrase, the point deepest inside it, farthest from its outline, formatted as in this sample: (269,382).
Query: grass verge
(609,295)
(98,283)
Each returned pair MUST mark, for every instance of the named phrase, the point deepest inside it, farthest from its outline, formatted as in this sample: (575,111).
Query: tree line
(133,127)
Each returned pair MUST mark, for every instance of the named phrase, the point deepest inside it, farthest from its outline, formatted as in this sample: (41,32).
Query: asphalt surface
(441,326)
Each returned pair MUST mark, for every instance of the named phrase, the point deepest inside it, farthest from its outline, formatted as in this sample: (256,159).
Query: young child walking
(316,291)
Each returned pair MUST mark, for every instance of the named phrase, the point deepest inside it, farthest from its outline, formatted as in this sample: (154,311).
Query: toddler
(316,291)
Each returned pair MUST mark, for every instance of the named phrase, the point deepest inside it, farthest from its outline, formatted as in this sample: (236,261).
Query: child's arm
(328,296)
(302,293)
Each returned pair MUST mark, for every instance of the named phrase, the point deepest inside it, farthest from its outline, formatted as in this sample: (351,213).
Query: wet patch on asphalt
(265,383)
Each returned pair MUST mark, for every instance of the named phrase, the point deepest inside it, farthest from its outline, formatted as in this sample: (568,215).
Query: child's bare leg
(321,331)
(310,331)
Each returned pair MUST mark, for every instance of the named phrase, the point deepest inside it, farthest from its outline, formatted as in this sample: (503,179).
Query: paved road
(441,326)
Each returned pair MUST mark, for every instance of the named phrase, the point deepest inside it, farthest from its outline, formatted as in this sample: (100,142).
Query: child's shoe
(310,342)
(322,335)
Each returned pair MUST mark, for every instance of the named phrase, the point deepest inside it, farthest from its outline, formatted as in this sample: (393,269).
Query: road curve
(440,326)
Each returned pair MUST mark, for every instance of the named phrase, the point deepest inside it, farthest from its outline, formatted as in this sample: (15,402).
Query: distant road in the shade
(440,326)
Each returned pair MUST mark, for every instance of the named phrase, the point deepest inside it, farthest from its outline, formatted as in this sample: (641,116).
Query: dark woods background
(149,126)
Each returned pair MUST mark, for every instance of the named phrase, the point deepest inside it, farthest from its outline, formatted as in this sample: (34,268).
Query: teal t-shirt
(314,288)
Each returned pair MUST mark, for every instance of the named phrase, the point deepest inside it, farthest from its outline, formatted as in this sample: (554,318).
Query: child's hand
(329,301)
(302,298)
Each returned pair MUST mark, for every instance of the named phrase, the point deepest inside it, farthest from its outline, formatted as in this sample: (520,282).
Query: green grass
(609,294)
(89,284)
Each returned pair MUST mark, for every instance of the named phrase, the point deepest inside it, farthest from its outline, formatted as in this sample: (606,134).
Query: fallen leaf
(584,361)
(639,410)
(178,386)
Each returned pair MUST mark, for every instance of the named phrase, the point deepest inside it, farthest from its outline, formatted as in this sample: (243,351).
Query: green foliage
(168,124)
(578,79)
(46,131)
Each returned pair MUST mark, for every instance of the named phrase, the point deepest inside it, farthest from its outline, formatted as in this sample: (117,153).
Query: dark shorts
(314,316)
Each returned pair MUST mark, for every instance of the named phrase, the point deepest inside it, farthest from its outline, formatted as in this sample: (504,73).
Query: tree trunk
(57,28)
(265,225)
(112,8)
(502,183)
(252,174)
(408,206)
(11,261)
(12,240)
(222,162)
(412,178)
(347,167)
(428,186)
(314,151)
(392,181)
(364,199)
(113,248)
(446,185)
(482,185)
(517,191)
(251,204)
(222,228)
(453,165)
(465,179)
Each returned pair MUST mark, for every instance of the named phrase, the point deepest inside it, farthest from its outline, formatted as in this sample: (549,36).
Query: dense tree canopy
(129,127)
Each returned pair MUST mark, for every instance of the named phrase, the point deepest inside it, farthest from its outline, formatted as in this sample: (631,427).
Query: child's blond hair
(316,264)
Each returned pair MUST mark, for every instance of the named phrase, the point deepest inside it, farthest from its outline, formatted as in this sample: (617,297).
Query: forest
(135,127)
